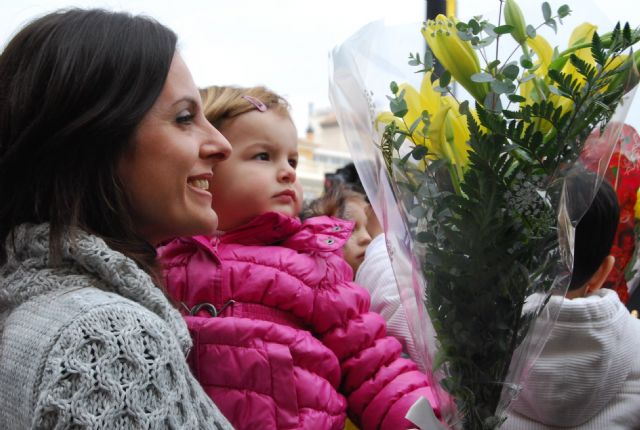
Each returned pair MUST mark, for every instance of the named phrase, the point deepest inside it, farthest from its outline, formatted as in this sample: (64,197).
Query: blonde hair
(226,102)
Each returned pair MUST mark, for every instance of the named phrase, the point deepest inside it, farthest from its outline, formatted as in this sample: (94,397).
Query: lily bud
(513,16)
(456,55)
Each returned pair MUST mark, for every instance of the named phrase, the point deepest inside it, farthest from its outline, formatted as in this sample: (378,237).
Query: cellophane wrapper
(361,69)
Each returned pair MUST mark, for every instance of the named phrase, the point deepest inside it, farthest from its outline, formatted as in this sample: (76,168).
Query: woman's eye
(185,118)
(263,156)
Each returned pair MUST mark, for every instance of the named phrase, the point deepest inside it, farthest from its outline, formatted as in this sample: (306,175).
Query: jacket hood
(87,261)
(584,363)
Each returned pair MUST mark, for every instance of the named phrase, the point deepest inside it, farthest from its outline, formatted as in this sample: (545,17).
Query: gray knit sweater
(92,343)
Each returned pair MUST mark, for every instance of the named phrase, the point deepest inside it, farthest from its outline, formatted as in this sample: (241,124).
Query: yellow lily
(456,55)
(448,133)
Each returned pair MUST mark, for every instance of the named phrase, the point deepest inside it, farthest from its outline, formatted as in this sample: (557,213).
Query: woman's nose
(216,146)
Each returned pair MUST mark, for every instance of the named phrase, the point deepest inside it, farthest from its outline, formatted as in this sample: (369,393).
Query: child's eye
(185,118)
(293,162)
(262,156)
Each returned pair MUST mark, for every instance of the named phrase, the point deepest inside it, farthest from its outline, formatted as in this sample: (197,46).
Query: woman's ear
(598,278)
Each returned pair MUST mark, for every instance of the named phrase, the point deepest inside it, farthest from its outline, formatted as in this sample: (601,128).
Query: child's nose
(287,173)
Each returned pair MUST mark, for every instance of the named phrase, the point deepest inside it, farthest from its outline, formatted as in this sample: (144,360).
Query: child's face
(355,247)
(260,174)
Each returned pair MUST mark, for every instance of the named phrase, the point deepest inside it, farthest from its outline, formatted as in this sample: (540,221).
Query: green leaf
(445,78)
(563,11)
(511,71)
(419,152)
(394,87)
(475,26)
(502,87)
(503,29)
(482,77)
(546,11)
(464,107)
(531,31)
(525,61)
(493,64)
(516,98)
(552,23)
(596,50)
(428,59)
(398,107)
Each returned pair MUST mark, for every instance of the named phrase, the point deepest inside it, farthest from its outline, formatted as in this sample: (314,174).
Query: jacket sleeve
(120,366)
(380,385)
(376,275)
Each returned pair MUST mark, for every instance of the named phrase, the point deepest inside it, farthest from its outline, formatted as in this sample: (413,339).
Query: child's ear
(598,278)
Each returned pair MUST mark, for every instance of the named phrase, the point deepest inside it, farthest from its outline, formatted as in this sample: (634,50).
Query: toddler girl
(282,338)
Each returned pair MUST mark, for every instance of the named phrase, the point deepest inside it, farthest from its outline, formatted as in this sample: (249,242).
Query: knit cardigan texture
(91,342)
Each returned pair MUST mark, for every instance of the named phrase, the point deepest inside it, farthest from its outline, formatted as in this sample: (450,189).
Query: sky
(285,44)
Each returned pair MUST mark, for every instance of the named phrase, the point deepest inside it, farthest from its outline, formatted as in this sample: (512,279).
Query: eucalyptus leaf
(564,11)
(419,152)
(546,11)
(511,71)
(531,31)
(428,59)
(445,78)
(502,87)
(398,107)
(525,61)
(503,29)
(482,77)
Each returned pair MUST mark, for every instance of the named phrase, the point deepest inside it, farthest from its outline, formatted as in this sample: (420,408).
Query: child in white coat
(588,374)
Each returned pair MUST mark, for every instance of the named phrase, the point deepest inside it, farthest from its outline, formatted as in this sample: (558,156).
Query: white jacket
(588,374)
(376,275)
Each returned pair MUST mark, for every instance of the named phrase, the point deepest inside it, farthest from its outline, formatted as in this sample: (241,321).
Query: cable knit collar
(87,262)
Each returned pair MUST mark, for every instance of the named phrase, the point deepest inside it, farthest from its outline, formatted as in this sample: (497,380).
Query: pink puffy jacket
(280,332)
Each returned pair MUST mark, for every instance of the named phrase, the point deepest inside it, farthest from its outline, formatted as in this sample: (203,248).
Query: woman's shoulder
(68,353)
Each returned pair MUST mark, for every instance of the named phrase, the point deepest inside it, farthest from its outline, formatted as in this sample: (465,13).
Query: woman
(104,153)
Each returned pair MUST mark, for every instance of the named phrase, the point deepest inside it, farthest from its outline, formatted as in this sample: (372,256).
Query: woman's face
(167,173)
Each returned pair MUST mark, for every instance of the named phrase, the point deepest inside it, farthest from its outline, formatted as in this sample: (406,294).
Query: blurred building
(322,150)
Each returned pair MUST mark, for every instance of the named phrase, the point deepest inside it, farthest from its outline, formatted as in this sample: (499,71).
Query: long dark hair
(74,86)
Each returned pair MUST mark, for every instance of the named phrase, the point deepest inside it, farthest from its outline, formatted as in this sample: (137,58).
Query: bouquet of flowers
(471,192)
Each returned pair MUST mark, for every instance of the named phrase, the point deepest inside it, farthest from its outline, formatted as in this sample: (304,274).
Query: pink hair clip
(257,103)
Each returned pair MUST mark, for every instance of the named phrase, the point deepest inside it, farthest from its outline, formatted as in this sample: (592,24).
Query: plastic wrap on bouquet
(406,191)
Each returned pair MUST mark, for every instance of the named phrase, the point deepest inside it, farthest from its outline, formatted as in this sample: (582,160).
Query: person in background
(375,273)
(348,205)
(104,153)
(588,374)
(283,337)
